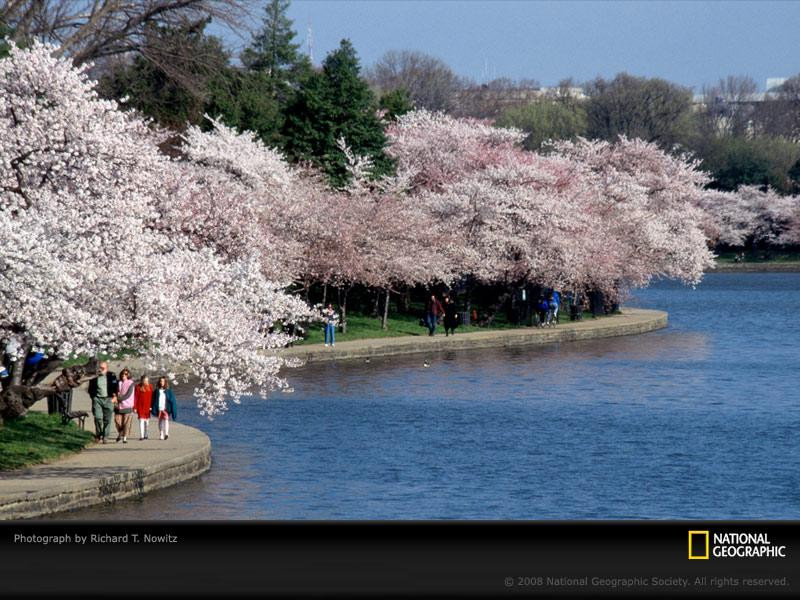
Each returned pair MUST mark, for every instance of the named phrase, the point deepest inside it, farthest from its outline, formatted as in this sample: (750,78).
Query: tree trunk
(385,323)
(468,306)
(512,309)
(404,300)
(343,304)
(15,400)
(376,306)
(325,294)
(18,366)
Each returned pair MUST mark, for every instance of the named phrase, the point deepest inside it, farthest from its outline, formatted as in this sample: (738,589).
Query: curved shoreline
(106,473)
(754,267)
(631,321)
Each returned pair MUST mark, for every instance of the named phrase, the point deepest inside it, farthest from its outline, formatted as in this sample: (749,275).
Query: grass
(361,327)
(83,358)
(760,256)
(38,438)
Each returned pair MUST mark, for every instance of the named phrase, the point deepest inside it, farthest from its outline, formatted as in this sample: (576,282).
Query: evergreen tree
(5,34)
(243,100)
(274,53)
(183,74)
(170,80)
(336,103)
(395,103)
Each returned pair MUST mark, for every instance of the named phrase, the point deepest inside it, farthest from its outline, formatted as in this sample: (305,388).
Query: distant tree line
(162,62)
(741,137)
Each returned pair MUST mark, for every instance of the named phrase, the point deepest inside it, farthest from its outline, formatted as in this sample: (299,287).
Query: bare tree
(88,30)
(728,106)
(430,83)
(779,114)
(489,100)
(654,110)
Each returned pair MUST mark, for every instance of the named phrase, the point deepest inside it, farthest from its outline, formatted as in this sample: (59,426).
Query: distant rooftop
(773,83)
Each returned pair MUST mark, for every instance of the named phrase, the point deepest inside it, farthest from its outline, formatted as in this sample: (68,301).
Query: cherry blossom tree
(91,262)
(648,205)
(399,244)
(730,218)
(585,215)
(433,149)
(752,215)
(244,199)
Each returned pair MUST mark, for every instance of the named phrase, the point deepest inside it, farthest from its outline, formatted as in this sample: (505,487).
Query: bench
(79,415)
(61,403)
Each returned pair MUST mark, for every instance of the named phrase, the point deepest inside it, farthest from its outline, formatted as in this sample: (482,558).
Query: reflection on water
(696,421)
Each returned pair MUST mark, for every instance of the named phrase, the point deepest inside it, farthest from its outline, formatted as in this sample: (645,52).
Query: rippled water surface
(700,420)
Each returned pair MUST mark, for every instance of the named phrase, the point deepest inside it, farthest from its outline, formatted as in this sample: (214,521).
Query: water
(700,420)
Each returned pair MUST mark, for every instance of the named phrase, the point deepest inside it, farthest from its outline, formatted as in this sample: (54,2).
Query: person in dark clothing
(574,304)
(450,316)
(103,392)
(433,311)
(164,406)
(543,308)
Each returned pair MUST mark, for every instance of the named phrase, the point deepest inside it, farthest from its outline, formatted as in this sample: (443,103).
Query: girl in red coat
(142,399)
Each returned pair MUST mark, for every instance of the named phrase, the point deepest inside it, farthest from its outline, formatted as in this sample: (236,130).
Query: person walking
(142,404)
(123,407)
(331,319)
(554,302)
(543,308)
(450,315)
(433,310)
(165,407)
(103,392)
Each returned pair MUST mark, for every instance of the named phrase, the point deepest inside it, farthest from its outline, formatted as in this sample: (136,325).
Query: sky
(691,42)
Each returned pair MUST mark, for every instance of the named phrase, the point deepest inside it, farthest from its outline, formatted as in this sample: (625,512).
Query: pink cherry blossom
(96,257)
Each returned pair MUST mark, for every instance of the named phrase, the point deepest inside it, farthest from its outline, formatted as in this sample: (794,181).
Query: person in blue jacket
(555,301)
(164,406)
(543,307)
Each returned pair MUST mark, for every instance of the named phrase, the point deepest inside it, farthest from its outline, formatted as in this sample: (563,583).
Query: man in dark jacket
(103,392)
(433,310)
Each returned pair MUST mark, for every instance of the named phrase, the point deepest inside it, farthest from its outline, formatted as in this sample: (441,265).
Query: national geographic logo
(698,545)
(703,546)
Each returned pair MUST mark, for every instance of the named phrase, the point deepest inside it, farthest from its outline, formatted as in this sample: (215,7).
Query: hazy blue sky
(691,43)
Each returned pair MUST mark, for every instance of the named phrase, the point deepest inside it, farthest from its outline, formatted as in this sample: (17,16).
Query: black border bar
(381,558)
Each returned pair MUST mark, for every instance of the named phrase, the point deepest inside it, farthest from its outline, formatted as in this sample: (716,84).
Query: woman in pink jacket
(123,409)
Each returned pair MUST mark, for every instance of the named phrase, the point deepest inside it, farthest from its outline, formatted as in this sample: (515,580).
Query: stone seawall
(104,473)
(88,478)
(765,267)
(631,321)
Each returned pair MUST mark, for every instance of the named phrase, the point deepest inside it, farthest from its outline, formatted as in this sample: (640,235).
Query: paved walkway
(104,472)
(631,321)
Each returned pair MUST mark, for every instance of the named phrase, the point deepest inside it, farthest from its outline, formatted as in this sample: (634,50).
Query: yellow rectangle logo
(698,556)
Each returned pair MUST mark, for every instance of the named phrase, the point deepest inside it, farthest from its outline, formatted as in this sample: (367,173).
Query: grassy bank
(759,256)
(360,327)
(38,438)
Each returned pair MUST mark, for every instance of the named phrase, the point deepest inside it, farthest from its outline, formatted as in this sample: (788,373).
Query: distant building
(773,83)
(724,108)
